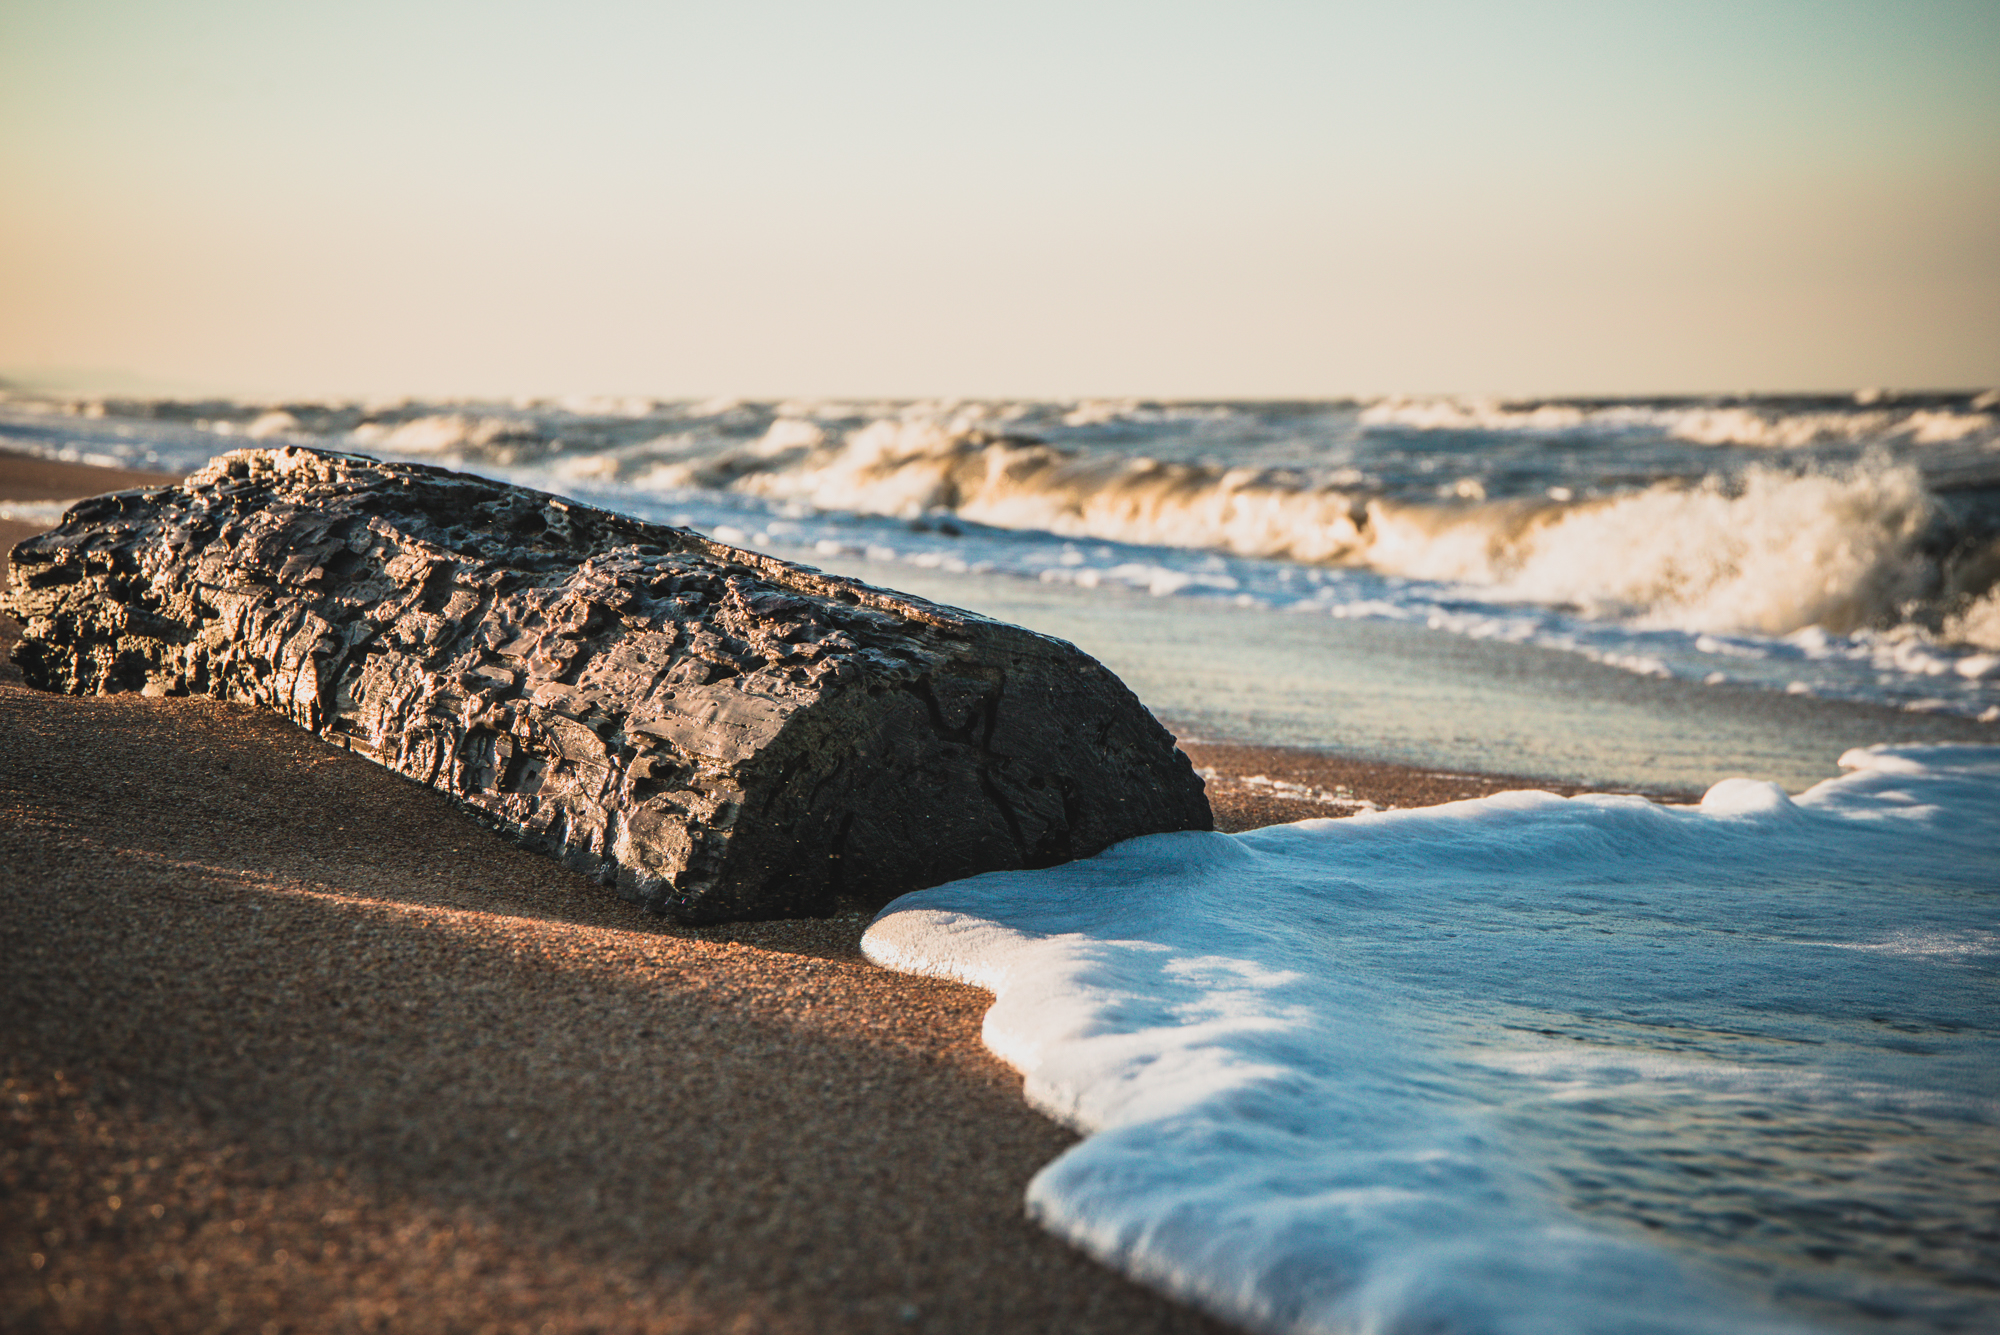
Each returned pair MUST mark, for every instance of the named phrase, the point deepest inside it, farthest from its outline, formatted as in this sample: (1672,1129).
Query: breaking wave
(1765,551)
(1780,424)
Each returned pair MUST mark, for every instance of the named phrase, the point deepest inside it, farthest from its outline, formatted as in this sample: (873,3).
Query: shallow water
(1392,691)
(1525,1063)
(1857,1215)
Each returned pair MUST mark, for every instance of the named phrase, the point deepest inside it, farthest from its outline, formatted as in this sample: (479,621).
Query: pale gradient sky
(1174,200)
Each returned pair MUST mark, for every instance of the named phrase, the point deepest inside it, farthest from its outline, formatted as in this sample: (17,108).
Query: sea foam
(1525,1063)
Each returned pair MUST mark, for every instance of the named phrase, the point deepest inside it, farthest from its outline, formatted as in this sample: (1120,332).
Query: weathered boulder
(716,733)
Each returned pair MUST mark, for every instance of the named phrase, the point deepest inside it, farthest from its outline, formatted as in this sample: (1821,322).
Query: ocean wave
(1594,526)
(908,469)
(492,439)
(1103,412)
(1767,550)
(1977,624)
(1768,424)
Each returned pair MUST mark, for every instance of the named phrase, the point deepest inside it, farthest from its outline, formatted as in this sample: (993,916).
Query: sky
(1249,200)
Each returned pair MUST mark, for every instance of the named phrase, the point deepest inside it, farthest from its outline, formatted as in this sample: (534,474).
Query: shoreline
(1309,782)
(295,1042)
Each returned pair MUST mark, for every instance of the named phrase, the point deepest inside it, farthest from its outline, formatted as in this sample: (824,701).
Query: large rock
(718,734)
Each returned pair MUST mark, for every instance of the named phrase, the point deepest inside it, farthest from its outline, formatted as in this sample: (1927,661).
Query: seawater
(1833,547)
(1525,1063)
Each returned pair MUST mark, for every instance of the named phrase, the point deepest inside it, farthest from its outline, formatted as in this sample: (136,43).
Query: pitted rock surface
(716,733)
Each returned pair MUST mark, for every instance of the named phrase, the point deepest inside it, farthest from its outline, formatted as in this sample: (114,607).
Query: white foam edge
(1416,1227)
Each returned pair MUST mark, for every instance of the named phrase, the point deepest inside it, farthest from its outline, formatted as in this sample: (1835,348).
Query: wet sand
(293,1045)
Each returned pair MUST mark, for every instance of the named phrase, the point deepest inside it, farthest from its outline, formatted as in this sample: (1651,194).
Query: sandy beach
(295,1045)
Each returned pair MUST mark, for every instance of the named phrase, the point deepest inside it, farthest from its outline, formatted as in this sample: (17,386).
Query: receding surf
(1525,1063)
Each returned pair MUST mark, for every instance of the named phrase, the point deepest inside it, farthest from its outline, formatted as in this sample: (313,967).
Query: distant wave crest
(1777,424)
(1767,551)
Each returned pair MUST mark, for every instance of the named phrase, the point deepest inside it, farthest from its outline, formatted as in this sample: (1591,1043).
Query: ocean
(1834,548)
(1525,1063)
